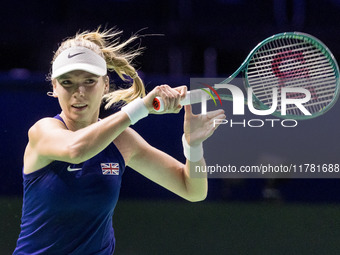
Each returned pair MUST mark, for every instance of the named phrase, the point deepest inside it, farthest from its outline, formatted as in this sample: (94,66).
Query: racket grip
(192,97)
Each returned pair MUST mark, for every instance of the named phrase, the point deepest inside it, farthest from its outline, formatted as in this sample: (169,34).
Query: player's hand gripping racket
(286,60)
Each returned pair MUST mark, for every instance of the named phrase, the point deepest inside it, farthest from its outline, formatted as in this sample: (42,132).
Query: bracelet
(192,153)
(136,110)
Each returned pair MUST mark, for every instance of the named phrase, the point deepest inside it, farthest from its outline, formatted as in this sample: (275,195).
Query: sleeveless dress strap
(61,119)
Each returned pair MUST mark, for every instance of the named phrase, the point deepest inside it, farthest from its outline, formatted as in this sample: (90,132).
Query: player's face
(80,94)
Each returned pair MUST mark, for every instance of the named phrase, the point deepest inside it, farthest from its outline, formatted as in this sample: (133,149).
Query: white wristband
(192,153)
(136,110)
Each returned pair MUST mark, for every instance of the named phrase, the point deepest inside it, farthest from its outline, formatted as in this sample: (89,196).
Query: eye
(65,83)
(90,81)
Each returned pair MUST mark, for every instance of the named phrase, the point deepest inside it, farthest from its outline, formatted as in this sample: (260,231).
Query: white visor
(78,58)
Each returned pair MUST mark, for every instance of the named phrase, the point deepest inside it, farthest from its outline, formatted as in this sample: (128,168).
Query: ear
(54,94)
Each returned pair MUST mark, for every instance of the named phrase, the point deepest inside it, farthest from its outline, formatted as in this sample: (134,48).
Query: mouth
(79,106)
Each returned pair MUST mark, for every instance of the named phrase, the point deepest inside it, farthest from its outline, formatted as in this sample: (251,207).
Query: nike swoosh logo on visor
(73,55)
(73,169)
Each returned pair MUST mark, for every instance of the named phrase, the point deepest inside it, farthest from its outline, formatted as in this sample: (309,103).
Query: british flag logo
(110,168)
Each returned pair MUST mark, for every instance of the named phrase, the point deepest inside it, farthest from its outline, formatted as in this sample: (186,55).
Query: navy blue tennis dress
(68,209)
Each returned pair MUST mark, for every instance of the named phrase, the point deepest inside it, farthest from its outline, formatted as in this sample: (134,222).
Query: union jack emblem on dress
(110,168)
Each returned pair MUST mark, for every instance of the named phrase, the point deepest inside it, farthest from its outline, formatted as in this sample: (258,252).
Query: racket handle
(192,97)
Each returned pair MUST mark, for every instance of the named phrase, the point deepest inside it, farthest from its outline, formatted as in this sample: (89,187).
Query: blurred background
(183,39)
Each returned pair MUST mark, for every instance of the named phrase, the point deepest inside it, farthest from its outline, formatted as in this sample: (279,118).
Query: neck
(75,125)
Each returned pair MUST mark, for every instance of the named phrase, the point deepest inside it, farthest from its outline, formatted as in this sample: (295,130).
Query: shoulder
(43,130)
(37,137)
(43,125)
(47,122)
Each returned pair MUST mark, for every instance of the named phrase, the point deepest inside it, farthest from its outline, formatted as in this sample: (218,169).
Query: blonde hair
(107,44)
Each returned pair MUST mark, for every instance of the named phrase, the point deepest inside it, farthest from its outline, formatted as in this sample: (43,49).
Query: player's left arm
(166,171)
(169,172)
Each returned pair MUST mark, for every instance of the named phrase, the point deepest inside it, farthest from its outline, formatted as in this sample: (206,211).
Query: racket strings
(309,63)
(319,73)
(295,63)
(323,82)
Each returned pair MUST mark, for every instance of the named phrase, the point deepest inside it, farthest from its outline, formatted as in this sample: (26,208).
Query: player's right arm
(50,140)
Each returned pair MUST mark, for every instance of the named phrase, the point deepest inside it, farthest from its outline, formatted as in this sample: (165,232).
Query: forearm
(196,181)
(89,141)
(102,133)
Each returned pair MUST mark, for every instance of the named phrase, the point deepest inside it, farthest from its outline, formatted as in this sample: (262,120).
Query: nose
(80,90)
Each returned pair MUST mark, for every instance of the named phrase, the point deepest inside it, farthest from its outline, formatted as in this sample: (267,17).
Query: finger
(175,98)
(188,112)
(214,114)
(178,109)
(171,97)
(165,95)
(216,121)
(182,91)
(166,99)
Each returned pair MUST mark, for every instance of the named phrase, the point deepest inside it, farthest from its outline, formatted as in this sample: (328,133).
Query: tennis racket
(286,60)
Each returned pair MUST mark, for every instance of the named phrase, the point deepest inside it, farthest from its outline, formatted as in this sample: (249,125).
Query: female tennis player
(74,162)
